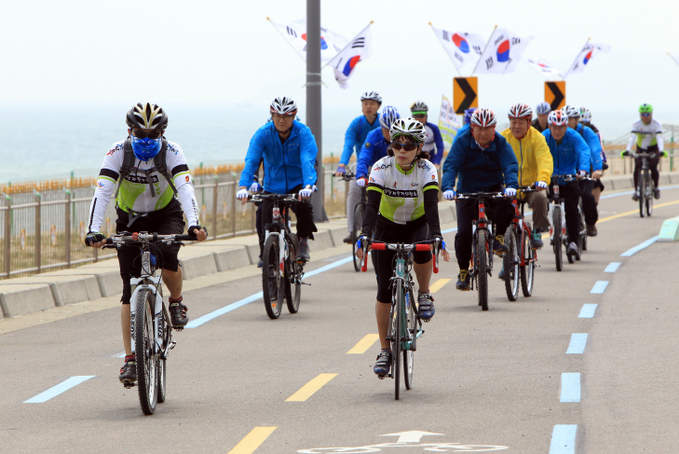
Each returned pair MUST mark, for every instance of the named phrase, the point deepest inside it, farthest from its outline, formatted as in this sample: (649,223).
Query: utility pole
(314,118)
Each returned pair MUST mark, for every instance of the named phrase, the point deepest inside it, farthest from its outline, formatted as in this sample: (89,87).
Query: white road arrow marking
(412,436)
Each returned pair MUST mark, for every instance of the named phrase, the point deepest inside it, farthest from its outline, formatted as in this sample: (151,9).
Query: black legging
(653,165)
(588,202)
(570,193)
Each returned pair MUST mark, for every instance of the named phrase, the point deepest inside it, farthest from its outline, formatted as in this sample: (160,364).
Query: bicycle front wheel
(293,283)
(162,362)
(528,268)
(482,268)
(395,339)
(359,213)
(649,196)
(144,350)
(510,263)
(410,340)
(642,192)
(272,279)
(557,240)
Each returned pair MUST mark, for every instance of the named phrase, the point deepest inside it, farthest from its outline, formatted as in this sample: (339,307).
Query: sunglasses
(153,134)
(404,146)
(645,114)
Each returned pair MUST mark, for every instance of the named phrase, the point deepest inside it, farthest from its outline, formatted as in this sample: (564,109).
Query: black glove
(604,166)
(192,233)
(94,237)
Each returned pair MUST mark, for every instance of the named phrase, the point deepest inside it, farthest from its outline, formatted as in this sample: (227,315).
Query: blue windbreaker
(355,137)
(374,149)
(594,144)
(285,165)
(479,169)
(571,155)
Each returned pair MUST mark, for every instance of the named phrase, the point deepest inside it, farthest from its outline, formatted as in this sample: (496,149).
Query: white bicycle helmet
(373,95)
(408,127)
(557,118)
(283,106)
(520,111)
(484,118)
(572,112)
(543,108)
(148,116)
(389,115)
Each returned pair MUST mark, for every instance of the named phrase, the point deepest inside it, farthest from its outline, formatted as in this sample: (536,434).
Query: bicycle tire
(557,240)
(527,270)
(583,232)
(359,214)
(650,195)
(162,363)
(642,193)
(396,346)
(144,346)
(510,263)
(482,268)
(272,281)
(411,337)
(293,284)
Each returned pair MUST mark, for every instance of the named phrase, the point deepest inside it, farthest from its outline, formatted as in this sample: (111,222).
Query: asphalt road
(539,375)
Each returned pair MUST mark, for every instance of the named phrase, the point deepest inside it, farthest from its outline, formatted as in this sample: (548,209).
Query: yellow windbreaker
(533,155)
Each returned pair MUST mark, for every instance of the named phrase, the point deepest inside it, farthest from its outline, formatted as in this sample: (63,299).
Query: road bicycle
(482,244)
(557,229)
(405,325)
(646,188)
(282,272)
(359,214)
(520,260)
(150,322)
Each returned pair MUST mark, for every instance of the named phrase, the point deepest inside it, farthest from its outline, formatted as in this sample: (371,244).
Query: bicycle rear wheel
(293,284)
(272,278)
(144,350)
(359,213)
(510,263)
(410,339)
(164,334)
(642,192)
(527,270)
(557,240)
(482,268)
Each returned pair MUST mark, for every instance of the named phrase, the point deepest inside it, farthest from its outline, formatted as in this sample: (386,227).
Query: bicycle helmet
(520,111)
(148,116)
(645,108)
(373,95)
(572,112)
(543,108)
(283,106)
(484,118)
(557,118)
(585,115)
(419,107)
(468,115)
(389,115)
(408,127)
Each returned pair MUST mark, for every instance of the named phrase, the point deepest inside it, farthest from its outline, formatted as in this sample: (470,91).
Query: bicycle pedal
(178,328)
(304,283)
(129,385)
(173,344)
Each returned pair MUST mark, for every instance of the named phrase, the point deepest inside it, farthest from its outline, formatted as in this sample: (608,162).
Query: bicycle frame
(522,227)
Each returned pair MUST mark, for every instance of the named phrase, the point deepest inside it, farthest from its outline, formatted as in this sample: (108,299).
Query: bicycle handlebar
(144,237)
(481,195)
(279,197)
(420,246)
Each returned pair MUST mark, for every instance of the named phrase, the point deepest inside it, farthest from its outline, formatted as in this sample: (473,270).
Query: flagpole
(458,70)
(675,61)
(286,39)
(484,51)
(576,59)
(349,44)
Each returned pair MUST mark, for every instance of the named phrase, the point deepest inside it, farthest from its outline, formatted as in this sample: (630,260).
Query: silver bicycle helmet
(408,127)
(283,106)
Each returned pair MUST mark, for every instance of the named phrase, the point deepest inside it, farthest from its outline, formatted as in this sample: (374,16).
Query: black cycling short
(168,221)
(390,232)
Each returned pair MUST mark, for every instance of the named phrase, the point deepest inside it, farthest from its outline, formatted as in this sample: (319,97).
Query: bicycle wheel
(650,189)
(410,339)
(557,240)
(510,263)
(583,232)
(144,346)
(293,284)
(482,268)
(359,213)
(162,363)
(642,192)
(272,280)
(527,270)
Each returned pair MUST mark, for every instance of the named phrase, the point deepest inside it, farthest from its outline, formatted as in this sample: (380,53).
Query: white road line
(58,389)
(638,248)
(587,311)
(578,343)
(563,439)
(599,287)
(570,387)
(612,267)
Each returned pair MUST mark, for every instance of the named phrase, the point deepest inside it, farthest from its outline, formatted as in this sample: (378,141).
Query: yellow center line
(251,442)
(364,344)
(310,388)
(436,286)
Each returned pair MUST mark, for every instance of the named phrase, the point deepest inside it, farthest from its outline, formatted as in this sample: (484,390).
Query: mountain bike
(482,244)
(150,322)
(282,273)
(405,326)
(359,214)
(646,186)
(520,260)
(557,229)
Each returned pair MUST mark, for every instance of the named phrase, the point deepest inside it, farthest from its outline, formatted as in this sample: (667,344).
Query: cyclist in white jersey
(146,201)
(402,207)
(647,135)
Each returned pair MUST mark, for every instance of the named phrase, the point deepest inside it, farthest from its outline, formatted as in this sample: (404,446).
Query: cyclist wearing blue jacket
(433,146)
(594,143)
(484,162)
(375,146)
(353,141)
(570,153)
(289,151)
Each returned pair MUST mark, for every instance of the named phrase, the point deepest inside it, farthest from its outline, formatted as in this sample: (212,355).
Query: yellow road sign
(465,91)
(555,94)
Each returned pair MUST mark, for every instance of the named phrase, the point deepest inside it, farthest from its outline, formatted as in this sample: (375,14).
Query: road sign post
(465,91)
(555,94)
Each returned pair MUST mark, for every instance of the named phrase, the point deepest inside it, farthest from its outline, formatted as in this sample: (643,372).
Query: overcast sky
(227,53)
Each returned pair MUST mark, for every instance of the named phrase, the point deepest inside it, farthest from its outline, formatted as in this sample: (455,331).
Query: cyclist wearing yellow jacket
(535,165)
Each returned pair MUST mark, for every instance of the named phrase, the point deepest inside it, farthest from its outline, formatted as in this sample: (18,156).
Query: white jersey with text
(645,136)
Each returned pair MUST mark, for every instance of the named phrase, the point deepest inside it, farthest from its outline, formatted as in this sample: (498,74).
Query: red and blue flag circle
(324,45)
(461,43)
(587,57)
(503,51)
(350,65)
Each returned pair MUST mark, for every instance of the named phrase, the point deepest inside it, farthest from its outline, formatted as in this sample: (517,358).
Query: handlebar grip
(422,247)
(379,246)
(185,238)
(108,241)
(364,267)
